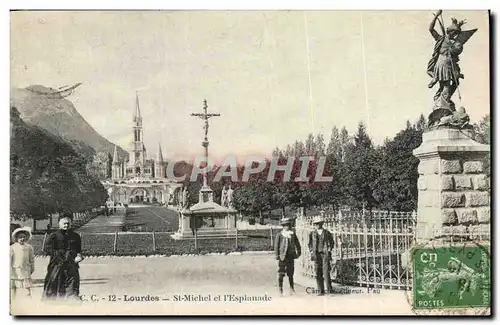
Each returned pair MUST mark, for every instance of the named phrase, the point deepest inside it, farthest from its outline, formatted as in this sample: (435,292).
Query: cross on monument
(205,116)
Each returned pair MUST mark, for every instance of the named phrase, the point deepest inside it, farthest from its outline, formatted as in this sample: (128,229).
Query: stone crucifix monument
(453,191)
(206,218)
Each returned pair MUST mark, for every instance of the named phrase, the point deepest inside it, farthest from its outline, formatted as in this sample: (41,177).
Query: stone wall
(453,197)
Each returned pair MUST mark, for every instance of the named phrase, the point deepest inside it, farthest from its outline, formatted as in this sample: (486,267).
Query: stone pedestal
(206,219)
(453,191)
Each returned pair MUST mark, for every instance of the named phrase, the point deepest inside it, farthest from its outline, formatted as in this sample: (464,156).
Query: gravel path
(200,277)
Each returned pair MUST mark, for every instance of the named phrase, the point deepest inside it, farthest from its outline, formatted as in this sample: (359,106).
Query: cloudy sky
(252,67)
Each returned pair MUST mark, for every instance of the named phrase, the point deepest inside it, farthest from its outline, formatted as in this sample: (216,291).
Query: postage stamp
(454,276)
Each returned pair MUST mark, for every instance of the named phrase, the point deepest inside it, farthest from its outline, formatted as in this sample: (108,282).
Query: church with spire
(138,164)
(139,179)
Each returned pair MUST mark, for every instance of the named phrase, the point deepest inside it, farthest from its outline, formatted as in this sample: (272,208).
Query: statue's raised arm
(433,24)
(443,66)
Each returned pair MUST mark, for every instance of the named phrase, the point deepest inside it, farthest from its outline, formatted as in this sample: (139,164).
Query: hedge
(132,244)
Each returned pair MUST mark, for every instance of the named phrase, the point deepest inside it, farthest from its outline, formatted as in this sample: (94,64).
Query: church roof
(208,207)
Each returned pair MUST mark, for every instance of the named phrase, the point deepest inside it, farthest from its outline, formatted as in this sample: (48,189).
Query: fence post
(196,239)
(236,238)
(115,242)
(272,242)
(43,243)
(154,242)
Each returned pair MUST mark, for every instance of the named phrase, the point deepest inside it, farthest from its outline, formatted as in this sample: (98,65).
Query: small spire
(115,156)
(137,109)
(159,155)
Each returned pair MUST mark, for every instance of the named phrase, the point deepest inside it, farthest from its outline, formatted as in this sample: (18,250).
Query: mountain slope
(59,116)
(47,175)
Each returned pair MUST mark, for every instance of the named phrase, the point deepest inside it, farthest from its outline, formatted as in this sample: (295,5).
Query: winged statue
(443,66)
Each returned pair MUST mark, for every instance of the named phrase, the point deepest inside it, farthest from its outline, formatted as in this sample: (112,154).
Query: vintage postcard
(279,162)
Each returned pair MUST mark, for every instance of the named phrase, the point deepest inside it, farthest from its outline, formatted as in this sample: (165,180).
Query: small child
(22,264)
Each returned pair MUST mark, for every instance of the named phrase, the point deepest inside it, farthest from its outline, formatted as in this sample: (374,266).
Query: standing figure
(223,199)
(287,249)
(229,197)
(185,198)
(320,247)
(65,250)
(22,264)
(443,66)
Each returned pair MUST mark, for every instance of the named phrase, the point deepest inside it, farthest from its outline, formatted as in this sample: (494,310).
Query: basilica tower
(138,154)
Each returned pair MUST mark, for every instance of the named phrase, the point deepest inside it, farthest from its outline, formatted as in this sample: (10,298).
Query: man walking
(320,246)
(64,248)
(287,249)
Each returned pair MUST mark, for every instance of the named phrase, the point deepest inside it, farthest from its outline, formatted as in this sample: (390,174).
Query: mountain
(46,108)
(47,175)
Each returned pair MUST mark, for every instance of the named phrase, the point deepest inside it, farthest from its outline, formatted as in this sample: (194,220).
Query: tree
(310,148)
(334,146)
(396,186)
(48,175)
(421,123)
(299,149)
(319,145)
(255,196)
(482,132)
(361,164)
(344,142)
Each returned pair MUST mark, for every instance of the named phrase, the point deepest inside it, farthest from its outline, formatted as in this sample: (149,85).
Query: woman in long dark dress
(64,248)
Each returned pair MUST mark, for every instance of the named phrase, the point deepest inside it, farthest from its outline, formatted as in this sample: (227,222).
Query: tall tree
(319,145)
(360,168)
(310,145)
(334,144)
(421,123)
(396,186)
(299,149)
(344,142)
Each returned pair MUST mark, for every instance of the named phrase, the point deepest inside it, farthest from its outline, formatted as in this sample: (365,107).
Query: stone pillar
(453,191)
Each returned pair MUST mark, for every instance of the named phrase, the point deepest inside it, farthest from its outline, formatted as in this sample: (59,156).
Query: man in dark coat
(64,247)
(287,249)
(320,247)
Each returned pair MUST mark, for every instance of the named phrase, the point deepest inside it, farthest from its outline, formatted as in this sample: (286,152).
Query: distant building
(137,179)
(101,165)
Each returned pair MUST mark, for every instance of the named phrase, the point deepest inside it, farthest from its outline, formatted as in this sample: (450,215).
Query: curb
(246,253)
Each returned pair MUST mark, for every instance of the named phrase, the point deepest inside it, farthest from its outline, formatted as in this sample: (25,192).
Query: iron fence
(372,247)
(368,247)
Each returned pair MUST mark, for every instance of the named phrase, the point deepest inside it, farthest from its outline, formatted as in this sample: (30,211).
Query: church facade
(139,179)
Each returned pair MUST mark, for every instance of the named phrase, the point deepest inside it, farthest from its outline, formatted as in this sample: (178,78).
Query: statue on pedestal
(443,66)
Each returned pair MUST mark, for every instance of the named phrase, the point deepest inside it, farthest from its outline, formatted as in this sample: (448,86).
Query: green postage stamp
(455,276)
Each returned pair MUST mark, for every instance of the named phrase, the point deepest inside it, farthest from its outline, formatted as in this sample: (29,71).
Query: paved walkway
(201,277)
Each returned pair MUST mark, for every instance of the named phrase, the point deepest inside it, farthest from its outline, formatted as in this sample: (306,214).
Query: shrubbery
(142,244)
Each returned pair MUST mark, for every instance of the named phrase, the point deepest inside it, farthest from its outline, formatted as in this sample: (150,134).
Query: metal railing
(372,247)
(368,247)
